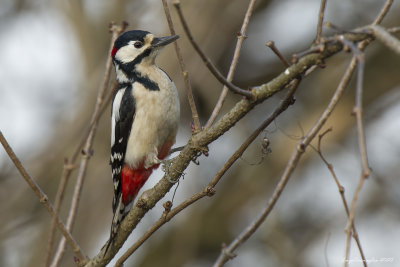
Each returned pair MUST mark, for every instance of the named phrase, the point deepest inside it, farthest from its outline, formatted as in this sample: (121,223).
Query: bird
(144,117)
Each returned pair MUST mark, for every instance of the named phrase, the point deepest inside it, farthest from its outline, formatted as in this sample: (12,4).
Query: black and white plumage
(144,119)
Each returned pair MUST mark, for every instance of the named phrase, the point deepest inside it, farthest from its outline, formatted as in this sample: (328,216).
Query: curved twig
(42,197)
(227,252)
(200,140)
(189,93)
(86,151)
(207,61)
(209,189)
(240,39)
(342,195)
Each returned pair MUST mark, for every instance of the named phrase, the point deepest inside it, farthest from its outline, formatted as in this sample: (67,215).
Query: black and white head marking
(134,48)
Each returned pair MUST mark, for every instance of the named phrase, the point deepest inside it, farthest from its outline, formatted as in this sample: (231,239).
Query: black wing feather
(122,132)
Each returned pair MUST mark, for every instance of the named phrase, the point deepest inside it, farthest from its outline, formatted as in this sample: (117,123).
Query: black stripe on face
(130,66)
(130,70)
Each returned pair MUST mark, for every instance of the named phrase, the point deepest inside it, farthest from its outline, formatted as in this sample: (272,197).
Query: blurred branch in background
(341,190)
(209,190)
(217,74)
(227,253)
(199,142)
(86,152)
(42,197)
(189,92)
(226,82)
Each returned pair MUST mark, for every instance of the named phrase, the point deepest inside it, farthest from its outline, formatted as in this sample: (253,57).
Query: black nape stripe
(133,75)
(145,81)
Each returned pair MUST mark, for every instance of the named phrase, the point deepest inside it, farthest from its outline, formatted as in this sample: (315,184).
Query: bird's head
(138,47)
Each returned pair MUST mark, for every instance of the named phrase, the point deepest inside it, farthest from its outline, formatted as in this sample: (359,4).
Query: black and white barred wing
(123,112)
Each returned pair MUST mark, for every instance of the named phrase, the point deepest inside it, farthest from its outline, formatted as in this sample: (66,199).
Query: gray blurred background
(52,61)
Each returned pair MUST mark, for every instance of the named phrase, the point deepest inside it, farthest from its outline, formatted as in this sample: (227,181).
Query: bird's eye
(138,44)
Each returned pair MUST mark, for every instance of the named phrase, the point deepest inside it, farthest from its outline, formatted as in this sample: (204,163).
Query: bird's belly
(154,128)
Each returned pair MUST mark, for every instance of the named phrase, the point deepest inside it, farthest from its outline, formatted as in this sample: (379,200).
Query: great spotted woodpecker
(144,120)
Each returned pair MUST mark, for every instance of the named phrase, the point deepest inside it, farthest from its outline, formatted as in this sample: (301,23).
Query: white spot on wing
(115,113)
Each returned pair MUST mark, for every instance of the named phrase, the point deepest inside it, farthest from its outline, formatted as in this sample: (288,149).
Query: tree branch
(206,60)
(102,100)
(385,38)
(189,93)
(227,252)
(209,189)
(365,172)
(240,39)
(320,22)
(200,140)
(342,195)
(382,14)
(271,45)
(42,197)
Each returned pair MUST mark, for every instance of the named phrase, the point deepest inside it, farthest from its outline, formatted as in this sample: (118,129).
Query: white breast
(156,119)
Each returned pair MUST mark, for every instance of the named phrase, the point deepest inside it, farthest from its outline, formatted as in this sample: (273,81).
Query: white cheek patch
(128,53)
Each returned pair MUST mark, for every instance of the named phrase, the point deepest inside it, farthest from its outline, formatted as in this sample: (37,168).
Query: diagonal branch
(365,172)
(209,189)
(102,100)
(200,140)
(386,38)
(382,14)
(42,197)
(342,195)
(206,60)
(227,252)
(320,21)
(272,46)
(232,68)
(189,93)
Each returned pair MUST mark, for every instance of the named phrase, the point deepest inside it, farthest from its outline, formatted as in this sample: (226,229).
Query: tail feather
(132,180)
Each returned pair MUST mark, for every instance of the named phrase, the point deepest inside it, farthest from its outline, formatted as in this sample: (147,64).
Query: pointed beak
(162,41)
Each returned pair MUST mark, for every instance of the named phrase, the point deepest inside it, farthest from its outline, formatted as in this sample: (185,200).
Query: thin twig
(86,151)
(365,172)
(385,9)
(209,189)
(42,197)
(233,65)
(189,93)
(358,111)
(394,29)
(334,27)
(342,195)
(175,149)
(227,252)
(386,38)
(271,45)
(206,60)
(320,22)
(197,142)
(360,129)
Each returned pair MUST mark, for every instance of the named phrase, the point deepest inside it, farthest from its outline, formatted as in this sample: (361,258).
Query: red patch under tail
(132,181)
